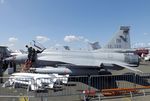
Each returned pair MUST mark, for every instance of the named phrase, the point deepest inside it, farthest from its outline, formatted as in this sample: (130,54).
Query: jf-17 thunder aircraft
(116,55)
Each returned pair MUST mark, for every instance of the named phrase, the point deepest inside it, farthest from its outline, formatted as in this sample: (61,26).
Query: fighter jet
(84,62)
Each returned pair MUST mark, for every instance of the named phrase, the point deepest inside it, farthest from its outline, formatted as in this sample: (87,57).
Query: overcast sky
(72,22)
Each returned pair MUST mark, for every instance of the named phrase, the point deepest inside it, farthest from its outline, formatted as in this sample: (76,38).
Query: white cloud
(13,40)
(42,39)
(73,38)
(58,45)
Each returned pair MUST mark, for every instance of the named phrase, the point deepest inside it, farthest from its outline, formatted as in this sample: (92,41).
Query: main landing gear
(103,70)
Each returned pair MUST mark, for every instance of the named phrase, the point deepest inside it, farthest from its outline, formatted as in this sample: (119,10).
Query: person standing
(11,68)
(29,53)
(34,57)
(1,68)
(14,65)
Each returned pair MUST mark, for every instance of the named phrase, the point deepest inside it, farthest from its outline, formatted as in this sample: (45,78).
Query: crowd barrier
(79,85)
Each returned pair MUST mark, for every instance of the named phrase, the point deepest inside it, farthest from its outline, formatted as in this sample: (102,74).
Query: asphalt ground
(72,92)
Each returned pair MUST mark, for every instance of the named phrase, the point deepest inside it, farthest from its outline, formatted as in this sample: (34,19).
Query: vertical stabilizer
(121,40)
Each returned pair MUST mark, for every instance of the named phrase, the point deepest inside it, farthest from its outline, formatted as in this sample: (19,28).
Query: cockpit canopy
(37,46)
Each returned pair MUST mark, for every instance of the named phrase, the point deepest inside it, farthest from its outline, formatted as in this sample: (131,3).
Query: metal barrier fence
(75,85)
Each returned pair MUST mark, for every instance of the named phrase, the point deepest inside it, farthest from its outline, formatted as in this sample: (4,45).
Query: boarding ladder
(26,67)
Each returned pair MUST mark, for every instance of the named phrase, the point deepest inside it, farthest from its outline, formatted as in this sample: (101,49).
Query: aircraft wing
(114,65)
(122,65)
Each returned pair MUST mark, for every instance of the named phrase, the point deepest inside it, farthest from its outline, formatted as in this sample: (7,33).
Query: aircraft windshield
(37,46)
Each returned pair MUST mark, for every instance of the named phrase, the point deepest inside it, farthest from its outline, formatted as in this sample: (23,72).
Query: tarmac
(72,93)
